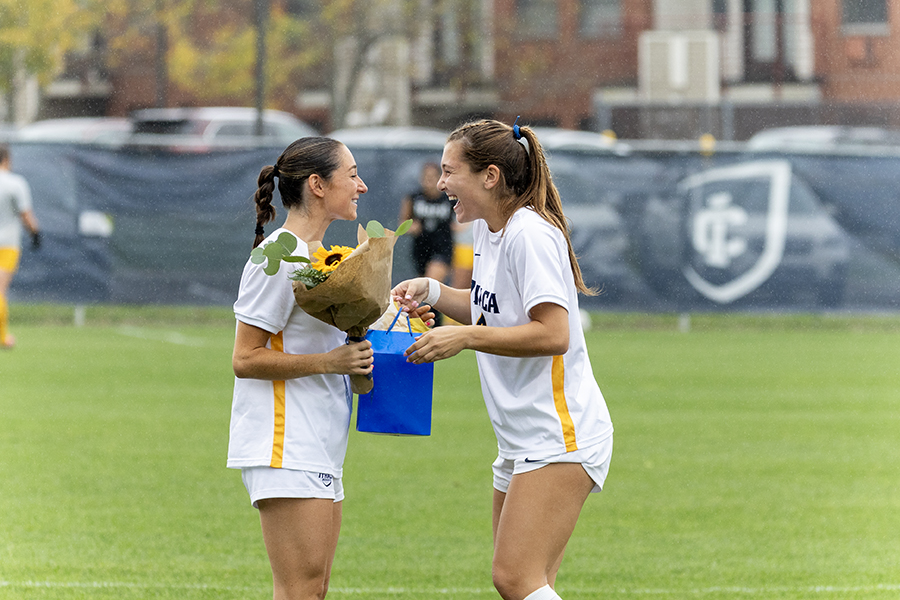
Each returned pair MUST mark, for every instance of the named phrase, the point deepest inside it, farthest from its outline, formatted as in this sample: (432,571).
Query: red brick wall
(551,81)
(853,67)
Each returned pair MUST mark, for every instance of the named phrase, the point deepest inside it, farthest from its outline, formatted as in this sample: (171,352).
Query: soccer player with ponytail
(521,316)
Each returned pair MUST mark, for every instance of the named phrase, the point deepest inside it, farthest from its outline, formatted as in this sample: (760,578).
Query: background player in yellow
(15,211)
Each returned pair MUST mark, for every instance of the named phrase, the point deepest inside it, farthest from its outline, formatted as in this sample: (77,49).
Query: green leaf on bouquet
(375,229)
(309,277)
(404,227)
(288,241)
(276,251)
(256,256)
(272,267)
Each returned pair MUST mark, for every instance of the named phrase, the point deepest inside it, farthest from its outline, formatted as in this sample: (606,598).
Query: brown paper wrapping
(356,294)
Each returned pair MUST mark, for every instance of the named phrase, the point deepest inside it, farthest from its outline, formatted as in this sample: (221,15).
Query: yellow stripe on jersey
(278,388)
(559,399)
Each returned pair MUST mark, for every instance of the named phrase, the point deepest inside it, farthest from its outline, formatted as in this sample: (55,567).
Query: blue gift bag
(400,401)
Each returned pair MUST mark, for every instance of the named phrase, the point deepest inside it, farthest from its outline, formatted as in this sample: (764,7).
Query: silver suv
(201,129)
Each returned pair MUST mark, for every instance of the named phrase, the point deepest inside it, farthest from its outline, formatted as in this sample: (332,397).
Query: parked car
(425,138)
(7,132)
(822,138)
(553,138)
(201,129)
(100,130)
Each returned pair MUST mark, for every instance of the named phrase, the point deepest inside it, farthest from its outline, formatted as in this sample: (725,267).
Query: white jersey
(539,406)
(15,198)
(300,423)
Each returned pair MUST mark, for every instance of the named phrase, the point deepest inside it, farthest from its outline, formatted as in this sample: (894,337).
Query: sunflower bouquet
(348,288)
(323,263)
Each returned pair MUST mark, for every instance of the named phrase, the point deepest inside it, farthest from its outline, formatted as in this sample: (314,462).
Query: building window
(720,14)
(769,40)
(537,18)
(446,43)
(599,18)
(865,17)
(859,12)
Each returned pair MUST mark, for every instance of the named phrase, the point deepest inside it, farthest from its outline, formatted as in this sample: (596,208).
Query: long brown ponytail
(305,157)
(526,179)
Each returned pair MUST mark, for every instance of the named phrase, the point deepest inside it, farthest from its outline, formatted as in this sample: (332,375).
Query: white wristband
(434,292)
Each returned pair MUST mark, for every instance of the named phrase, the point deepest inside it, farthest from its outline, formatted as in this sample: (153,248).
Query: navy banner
(654,228)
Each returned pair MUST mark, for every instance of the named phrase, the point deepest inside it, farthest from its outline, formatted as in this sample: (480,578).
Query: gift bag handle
(397,316)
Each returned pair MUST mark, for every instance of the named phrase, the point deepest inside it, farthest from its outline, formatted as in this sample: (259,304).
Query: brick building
(680,68)
(644,68)
(553,56)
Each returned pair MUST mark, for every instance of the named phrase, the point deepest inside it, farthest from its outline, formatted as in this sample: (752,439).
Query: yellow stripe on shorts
(559,399)
(278,389)
(9,259)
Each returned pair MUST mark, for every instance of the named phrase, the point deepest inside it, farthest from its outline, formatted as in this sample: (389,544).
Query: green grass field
(756,457)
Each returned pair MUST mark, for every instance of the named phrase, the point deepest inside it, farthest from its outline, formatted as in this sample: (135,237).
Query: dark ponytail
(307,156)
(526,179)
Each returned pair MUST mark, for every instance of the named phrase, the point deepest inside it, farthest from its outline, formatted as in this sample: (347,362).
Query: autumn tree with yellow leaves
(209,47)
(35,36)
(206,50)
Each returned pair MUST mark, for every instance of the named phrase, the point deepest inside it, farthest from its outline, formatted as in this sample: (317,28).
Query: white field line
(422,592)
(748,591)
(123,584)
(160,335)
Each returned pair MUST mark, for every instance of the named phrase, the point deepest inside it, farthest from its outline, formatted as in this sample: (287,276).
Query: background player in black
(432,214)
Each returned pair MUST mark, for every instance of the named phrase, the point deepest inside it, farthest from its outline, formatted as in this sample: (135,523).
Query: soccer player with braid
(521,316)
(290,415)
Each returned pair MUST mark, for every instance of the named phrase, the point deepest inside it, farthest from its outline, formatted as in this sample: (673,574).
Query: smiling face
(470,190)
(344,188)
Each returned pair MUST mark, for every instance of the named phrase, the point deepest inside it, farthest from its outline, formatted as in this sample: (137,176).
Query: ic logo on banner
(736,224)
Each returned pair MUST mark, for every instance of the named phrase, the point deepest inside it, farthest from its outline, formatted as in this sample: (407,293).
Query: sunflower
(326,261)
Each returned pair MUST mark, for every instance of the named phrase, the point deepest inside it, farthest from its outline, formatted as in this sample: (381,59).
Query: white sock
(544,593)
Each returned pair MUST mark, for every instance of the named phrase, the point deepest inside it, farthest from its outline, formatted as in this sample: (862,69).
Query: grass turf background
(755,456)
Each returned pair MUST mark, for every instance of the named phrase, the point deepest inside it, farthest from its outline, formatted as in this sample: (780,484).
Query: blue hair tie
(516,132)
